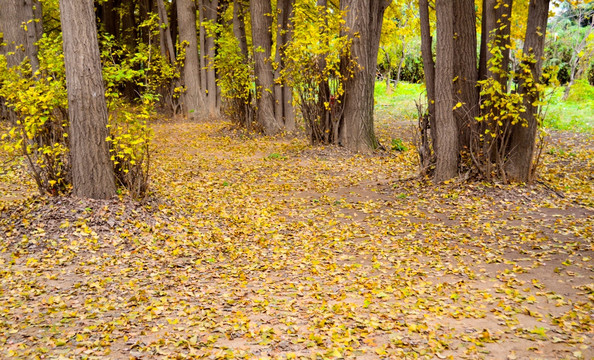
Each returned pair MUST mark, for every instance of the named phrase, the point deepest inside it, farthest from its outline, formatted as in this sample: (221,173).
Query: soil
(256,247)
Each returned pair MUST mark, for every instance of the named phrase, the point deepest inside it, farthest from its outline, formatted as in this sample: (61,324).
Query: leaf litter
(253,247)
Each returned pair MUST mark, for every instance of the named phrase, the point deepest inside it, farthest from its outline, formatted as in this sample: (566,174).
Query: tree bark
(445,124)
(20,23)
(21,43)
(210,15)
(193,100)
(465,73)
(167,49)
(523,140)
(129,24)
(496,26)
(110,17)
(428,65)
(239,27)
(262,42)
(202,46)
(282,92)
(92,170)
(364,24)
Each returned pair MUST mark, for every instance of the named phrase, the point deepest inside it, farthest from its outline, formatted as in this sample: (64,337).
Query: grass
(574,114)
(398,103)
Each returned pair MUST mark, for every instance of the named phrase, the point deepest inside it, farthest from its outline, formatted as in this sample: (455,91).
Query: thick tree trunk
(445,124)
(523,139)
(282,92)
(193,100)
(465,70)
(15,17)
(428,65)
(262,42)
(364,24)
(92,171)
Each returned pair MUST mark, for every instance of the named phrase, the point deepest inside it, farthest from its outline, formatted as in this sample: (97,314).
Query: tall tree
(261,11)
(92,171)
(465,74)
(208,14)
(283,93)
(427,121)
(20,29)
(519,166)
(364,25)
(193,99)
(445,124)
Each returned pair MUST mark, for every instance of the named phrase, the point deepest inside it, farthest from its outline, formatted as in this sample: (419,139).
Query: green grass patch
(398,102)
(575,114)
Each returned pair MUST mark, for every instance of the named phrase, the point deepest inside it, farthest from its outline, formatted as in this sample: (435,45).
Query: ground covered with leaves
(255,247)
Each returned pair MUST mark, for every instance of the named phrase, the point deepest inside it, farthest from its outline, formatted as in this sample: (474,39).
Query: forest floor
(255,247)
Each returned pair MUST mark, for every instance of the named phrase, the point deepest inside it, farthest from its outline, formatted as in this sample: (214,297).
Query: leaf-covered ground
(254,247)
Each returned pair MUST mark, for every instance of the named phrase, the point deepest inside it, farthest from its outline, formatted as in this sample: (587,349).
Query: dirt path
(253,247)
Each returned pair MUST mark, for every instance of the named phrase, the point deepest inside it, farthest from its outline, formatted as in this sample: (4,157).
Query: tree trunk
(496,26)
(21,43)
(445,124)
(129,24)
(202,46)
(465,65)
(210,15)
(92,170)
(193,100)
(167,49)
(239,27)
(110,17)
(173,24)
(428,66)
(282,92)
(523,139)
(364,24)
(262,42)
(145,7)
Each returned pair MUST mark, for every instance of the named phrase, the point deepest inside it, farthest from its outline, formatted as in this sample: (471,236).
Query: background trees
(267,64)
(496,135)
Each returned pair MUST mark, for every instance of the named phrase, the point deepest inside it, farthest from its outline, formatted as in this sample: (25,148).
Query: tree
(92,172)
(261,11)
(20,29)
(576,25)
(283,93)
(364,25)
(445,125)
(497,134)
(193,98)
(466,94)
(208,12)
(519,166)
(399,32)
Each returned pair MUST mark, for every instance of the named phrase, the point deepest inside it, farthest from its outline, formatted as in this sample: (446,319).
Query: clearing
(255,247)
